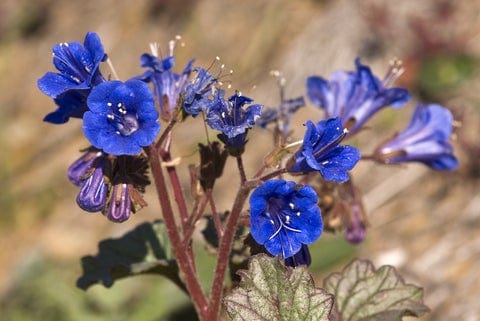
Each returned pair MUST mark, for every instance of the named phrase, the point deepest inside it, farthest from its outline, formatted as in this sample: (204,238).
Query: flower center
(125,121)
(280,215)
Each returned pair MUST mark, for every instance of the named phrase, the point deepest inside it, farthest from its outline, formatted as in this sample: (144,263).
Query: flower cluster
(122,118)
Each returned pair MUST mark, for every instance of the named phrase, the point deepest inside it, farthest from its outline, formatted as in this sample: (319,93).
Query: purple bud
(119,207)
(80,167)
(93,193)
(301,258)
(355,231)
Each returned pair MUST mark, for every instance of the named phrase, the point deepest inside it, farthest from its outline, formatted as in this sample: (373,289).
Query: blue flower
(353,96)
(232,120)
(167,84)
(425,140)
(199,93)
(78,67)
(284,216)
(281,115)
(122,117)
(321,151)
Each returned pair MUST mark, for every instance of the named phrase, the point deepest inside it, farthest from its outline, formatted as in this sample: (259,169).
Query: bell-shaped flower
(122,117)
(199,93)
(232,120)
(78,67)
(321,152)
(167,85)
(425,140)
(284,216)
(281,116)
(354,97)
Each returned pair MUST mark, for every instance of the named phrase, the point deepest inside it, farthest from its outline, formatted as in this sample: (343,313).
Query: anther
(394,71)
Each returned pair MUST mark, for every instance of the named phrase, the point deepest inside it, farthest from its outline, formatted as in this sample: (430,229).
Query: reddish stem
(179,248)
(241,169)
(195,217)
(216,217)
(177,189)
(225,249)
(273,174)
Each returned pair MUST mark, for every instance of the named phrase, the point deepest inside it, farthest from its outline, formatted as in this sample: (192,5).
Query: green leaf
(363,293)
(270,291)
(146,249)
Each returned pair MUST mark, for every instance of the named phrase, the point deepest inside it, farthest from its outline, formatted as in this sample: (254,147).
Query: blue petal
(52,84)
(317,91)
(70,104)
(444,163)
(101,95)
(95,48)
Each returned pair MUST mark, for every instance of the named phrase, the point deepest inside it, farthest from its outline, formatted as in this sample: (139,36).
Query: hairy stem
(179,248)
(216,217)
(177,189)
(273,174)
(241,169)
(225,248)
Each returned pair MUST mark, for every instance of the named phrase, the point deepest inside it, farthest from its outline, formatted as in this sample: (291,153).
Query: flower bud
(301,258)
(119,205)
(93,193)
(355,229)
(81,166)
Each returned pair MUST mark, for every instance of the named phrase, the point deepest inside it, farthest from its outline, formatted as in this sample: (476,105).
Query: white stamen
(276,232)
(292,206)
(109,104)
(298,213)
(119,105)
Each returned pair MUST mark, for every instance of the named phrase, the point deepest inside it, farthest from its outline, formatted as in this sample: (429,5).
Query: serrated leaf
(365,294)
(270,291)
(145,249)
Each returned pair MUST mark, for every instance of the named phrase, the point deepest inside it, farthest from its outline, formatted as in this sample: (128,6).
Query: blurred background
(424,223)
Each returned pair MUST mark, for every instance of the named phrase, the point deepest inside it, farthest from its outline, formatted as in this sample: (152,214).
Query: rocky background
(426,224)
